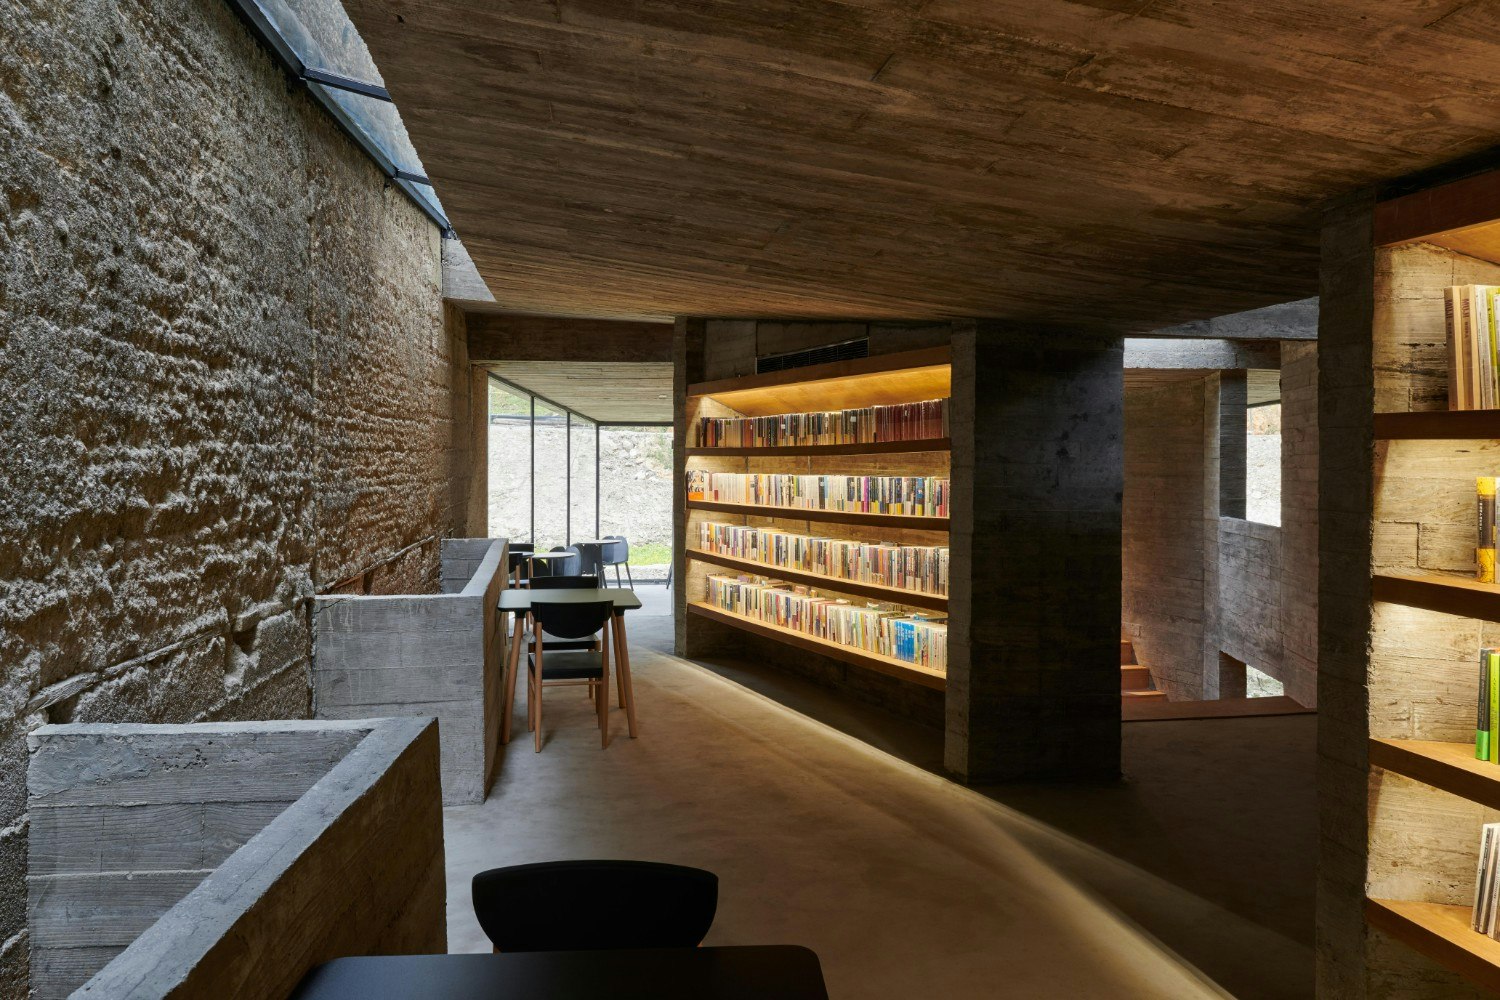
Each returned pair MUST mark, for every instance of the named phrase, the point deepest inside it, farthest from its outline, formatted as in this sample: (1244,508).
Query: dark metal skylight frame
(325,84)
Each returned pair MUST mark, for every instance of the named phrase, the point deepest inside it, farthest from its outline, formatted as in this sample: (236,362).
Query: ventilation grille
(813,356)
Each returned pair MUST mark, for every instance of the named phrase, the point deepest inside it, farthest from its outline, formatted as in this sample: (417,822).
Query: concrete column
(1346,398)
(1034,686)
(1232,443)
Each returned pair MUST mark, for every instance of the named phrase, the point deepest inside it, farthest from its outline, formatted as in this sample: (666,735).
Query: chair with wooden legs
(559,668)
(568,583)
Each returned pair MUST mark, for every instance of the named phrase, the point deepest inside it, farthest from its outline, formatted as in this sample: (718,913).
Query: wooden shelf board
(1442,933)
(1447,766)
(833,516)
(878,448)
(873,591)
(1463,215)
(870,661)
(1439,425)
(1453,595)
(908,377)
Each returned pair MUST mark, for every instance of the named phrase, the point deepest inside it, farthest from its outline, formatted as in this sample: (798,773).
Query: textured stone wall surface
(225,381)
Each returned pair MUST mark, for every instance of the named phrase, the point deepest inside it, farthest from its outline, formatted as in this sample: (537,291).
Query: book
(1493,682)
(1471,314)
(1484,549)
(1482,718)
(926,496)
(1484,879)
(926,420)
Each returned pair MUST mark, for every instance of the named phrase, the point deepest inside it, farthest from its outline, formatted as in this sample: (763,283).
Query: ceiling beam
(506,337)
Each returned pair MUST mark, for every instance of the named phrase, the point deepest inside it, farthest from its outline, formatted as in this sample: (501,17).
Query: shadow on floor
(1223,809)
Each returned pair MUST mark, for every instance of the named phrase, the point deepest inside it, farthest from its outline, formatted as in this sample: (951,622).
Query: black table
(776,972)
(518,602)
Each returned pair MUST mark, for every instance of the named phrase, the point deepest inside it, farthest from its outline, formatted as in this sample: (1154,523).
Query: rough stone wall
(224,380)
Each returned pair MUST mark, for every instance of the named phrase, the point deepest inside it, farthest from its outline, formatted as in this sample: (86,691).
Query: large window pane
(581,493)
(510,463)
(550,478)
(636,495)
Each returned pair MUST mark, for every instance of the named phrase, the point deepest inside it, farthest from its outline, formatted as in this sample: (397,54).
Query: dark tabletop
(783,972)
(520,600)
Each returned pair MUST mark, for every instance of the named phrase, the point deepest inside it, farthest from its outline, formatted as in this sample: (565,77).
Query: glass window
(549,483)
(510,463)
(1263,463)
(583,497)
(635,495)
(379,122)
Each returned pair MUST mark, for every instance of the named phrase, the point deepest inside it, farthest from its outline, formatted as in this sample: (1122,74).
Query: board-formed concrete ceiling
(612,392)
(1128,163)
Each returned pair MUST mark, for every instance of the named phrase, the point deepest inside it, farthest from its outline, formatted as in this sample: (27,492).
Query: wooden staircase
(1135,680)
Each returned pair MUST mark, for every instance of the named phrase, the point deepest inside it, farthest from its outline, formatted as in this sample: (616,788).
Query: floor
(1192,877)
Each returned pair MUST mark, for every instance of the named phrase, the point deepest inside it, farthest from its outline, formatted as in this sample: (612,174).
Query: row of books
(1487,720)
(874,628)
(922,568)
(865,425)
(1473,347)
(923,496)
(1486,896)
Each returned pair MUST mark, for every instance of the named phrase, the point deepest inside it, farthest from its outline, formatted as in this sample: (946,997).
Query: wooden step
(1134,677)
(1127,653)
(1134,695)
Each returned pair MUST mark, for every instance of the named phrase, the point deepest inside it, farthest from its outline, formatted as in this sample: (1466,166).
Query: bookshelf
(905,377)
(1427,618)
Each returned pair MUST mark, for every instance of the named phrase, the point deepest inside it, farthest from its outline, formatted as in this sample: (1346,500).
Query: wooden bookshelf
(1417,811)
(873,448)
(1439,425)
(873,591)
(1442,933)
(887,665)
(883,380)
(830,516)
(1451,767)
(1451,595)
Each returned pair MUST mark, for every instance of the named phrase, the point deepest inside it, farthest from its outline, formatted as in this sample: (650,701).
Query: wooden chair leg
(622,664)
(603,701)
(538,699)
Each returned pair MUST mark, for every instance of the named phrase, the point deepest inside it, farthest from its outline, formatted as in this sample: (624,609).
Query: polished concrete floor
(1192,877)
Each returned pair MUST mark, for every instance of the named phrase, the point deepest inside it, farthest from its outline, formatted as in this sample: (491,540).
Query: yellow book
(1484,550)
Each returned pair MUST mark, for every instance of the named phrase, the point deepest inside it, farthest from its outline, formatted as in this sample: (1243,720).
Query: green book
(1493,656)
(1482,716)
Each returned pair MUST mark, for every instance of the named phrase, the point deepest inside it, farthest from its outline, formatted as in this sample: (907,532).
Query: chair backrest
(573,905)
(619,552)
(571,620)
(565,583)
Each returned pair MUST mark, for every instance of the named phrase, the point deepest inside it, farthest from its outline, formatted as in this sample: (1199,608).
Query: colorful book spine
(923,421)
(1482,718)
(1484,550)
(1492,658)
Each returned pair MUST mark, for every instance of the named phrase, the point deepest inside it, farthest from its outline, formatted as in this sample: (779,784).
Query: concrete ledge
(424,655)
(225,860)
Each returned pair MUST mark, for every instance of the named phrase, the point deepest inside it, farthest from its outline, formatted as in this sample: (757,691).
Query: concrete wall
(424,655)
(1164,579)
(225,860)
(225,381)
(1198,584)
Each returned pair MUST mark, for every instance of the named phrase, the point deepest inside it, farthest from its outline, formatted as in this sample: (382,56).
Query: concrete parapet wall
(426,655)
(227,859)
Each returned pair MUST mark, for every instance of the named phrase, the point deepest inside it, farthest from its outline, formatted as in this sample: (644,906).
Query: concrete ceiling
(611,392)
(1128,163)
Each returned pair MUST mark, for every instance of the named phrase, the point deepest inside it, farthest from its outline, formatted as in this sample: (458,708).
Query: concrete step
(1139,695)
(1127,653)
(1134,677)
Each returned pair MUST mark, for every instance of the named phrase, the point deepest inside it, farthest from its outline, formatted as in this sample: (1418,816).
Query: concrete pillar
(1346,398)
(1034,681)
(1232,443)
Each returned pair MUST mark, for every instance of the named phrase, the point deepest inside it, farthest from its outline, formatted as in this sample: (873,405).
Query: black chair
(554,906)
(616,555)
(568,667)
(571,566)
(567,583)
(520,565)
